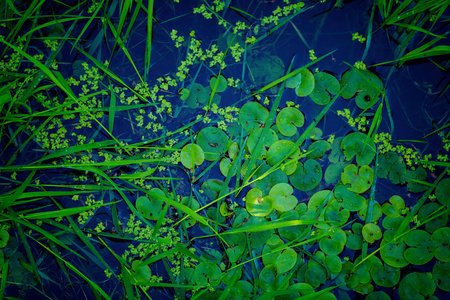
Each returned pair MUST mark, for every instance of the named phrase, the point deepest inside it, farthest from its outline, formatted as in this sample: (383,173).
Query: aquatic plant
(203,167)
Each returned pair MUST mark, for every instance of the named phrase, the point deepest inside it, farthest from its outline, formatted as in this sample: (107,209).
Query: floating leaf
(257,205)
(411,175)
(376,212)
(4,238)
(334,244)
(207,273)
(221,86)
(440,275)
(318,149)
(150,208)
(315,276)
(238,243)
(371,232)
(306,85)
(391,225)
(349,199)
(211,188)
(365,84)
(213,141)
(378,295)
(191,155)
(270,180)
(288,119)
(283,198)
(392,254)
(355,144)
(241,289)
(307,176)
(421,248)
(354,238)
(334,263)
(285,260)
(184,93)
(441,237)
(391,163)
(273,242)
(360,179)
(267,278)
(443,192)
(197,95)
(253,116)
(396,207)
(427,211)
(326,84)
(140,272)
(269,137)
(192,204)
(279,149)
(225,166)
(333,172)
(385,275)
(416,286)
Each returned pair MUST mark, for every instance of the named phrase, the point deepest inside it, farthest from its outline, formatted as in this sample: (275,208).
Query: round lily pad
(257,205)
(233,151)
(283,198)
(213,141)
(421,247)
(279,149)
(334,263)
(333,172)
(286,260)
(267,278)
(427,211)
(395,208)
(360,179)
(416,286)
(211,188)
(241,289)
(221,85)
(364,83)
(184,93)
(443,192)
(335,243)
(376,212)
(225,166)
(307,176)
(288,119)
(207,273)
(270,180)
(317,149)
(150,208)
(412,176)
(355,144)
(440,275)
(326,84)
(306,85)
(191,155)
(238,245)
(269,137)
(390,225)
(140,272)
(349,200)
(4,238)
(441,237)
(392,254)
(274,242)
(385,275)
(315,276)
(371,232)
(253,116)
(197,95)
(354,237)
(391,163)
(378,295)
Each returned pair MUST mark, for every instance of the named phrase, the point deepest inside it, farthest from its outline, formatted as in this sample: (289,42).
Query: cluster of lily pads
(296,247)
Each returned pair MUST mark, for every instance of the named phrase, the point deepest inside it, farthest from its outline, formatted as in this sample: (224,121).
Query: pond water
(120,188)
